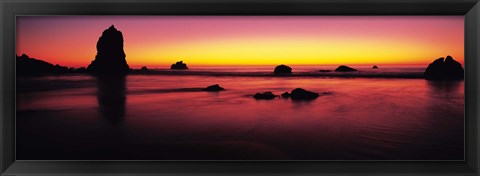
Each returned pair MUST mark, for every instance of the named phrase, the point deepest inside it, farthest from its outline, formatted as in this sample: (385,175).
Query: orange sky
(157,41)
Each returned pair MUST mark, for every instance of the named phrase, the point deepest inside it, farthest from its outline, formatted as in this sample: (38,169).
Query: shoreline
(415,75)
(254,74)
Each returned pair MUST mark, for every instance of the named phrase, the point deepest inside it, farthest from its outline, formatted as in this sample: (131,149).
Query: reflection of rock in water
(444,112)
(444,88)
(111,97)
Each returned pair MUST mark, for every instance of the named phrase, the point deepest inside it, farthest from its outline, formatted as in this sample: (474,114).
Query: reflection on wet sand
(111,97)
(444,87)
(170,117)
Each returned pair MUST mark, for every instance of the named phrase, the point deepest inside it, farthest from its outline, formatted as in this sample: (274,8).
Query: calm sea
(167,116)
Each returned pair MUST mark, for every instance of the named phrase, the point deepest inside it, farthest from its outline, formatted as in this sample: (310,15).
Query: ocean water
(167,117)
(414,71)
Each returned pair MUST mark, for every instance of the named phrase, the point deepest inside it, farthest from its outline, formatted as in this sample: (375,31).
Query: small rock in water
(375,67)
(264,96)
(286,95)
(179,66)
(282,69)
(325,70)
(302,94)
(214,88)
(343,68)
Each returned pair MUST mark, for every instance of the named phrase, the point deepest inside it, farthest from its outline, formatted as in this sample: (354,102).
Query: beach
(387,114)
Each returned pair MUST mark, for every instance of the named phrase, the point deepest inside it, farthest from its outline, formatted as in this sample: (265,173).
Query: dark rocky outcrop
(144,69)
(110,58)
(447,69)
(302,94)
(375,67)
(214,88)
(324,70)
(285,95)
(179,66)
(264,96)
(344,68)
(31,66)
(282,69)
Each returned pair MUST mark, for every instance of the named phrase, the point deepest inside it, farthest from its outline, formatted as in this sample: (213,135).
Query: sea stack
(344,68)
(447,69)
(282,69)
(110,58)
(179,66)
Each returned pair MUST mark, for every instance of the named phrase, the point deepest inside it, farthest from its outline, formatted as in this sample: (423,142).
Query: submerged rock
(179,66)
(302,94)
(344,68)
(214,88)
(282,69)
(375,67)
(110,58)
(264,96)
(444,70)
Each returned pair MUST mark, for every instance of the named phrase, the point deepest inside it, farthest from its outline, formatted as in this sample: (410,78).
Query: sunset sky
(157,41)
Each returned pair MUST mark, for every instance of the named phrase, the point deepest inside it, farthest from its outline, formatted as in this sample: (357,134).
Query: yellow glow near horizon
(247,40)
(284,51)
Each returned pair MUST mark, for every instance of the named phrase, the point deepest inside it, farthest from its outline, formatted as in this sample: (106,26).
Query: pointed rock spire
(110,58)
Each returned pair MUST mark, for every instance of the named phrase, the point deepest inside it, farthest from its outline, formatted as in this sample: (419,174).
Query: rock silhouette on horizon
(444,69)
(110,58)
(324,71)
(179,66)
(344,68)
(375,67)
(264,96)
(31,66)
(214,88)
(302,94)
(282,69)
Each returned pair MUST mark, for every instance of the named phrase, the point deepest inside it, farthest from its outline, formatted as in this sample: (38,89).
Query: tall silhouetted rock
(282,69)
(447,69)
(179,66)
(343,68)
(110,58)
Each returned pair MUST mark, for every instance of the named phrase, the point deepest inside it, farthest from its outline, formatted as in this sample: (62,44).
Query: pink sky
(162,40)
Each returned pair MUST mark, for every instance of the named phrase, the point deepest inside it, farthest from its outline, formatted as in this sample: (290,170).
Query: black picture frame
(12,8)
